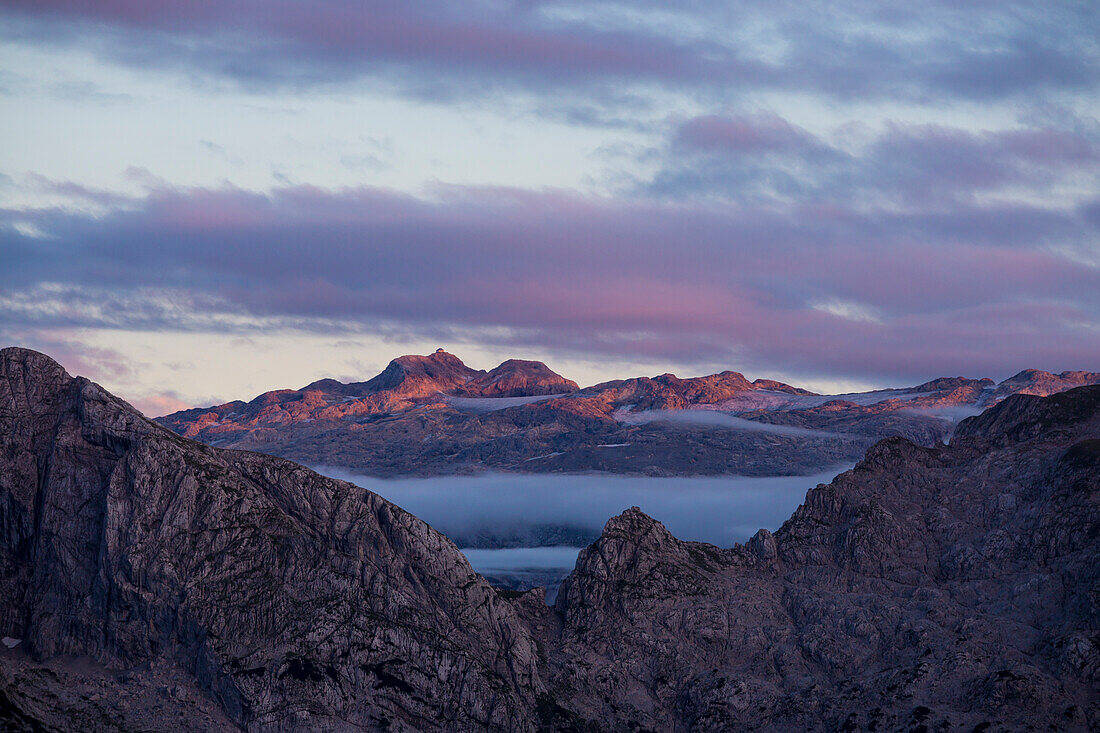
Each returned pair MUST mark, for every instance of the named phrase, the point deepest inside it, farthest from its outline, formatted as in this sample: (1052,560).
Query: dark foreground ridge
(155,583)
(135,562)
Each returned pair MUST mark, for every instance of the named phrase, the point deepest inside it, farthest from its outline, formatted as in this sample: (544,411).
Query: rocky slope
(432,415)
(155,583)
(946,588)
(287,600)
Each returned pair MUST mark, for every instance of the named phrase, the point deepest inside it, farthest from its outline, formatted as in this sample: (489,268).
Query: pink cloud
(156,405)
(676,281)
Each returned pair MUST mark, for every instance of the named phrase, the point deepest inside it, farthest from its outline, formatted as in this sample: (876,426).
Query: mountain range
(151,582)
(433,415)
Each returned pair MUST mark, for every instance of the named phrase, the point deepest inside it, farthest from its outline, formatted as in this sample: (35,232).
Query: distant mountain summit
(433,415)
(517,378)
(1043,384)
(408,381)
(422,376)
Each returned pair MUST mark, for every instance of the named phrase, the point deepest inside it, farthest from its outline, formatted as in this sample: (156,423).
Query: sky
(200,201)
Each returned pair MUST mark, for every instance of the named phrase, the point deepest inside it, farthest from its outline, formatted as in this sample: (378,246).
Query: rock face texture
(946,588)
(151,582)
(432,415)
(292,601)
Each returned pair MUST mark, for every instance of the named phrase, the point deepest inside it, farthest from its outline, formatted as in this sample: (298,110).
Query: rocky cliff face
(292,601)
(432,415)
(948,588)
(156,583)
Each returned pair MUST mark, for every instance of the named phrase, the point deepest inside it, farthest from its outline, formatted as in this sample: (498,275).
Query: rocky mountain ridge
(289,600)
(149,581)
(946,588)
(432,415)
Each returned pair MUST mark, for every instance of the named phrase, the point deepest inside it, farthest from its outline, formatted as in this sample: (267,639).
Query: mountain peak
(31,379)
(518,378)
(1040,383)
(951,383)
(626,533)
(36,361)
(439,356)
(414,375)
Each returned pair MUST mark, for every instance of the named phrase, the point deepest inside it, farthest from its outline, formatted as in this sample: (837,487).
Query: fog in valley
(521,525)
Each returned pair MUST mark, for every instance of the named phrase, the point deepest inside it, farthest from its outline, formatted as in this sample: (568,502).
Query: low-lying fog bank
(495,510)
(523,568)
(525,530)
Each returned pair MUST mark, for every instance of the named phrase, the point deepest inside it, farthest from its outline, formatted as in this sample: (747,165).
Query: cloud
(973,289)
(847,309)
(953,413)
(155,405)
(931,161)
(903,165)
(743,135)
(443,50)
(77,359)
(334,42)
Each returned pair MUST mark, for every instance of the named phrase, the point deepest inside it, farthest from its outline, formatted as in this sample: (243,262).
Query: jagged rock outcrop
(417,418)
(293,601)
(947,588)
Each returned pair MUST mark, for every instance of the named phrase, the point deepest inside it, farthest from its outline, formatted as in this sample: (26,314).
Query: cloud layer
(973,287)
(855,48)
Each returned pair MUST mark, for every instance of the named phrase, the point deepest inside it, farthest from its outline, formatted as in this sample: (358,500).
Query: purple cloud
(753,157)
(321,42)
(431,47)
(760,134)
(932,161)
(752,288)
